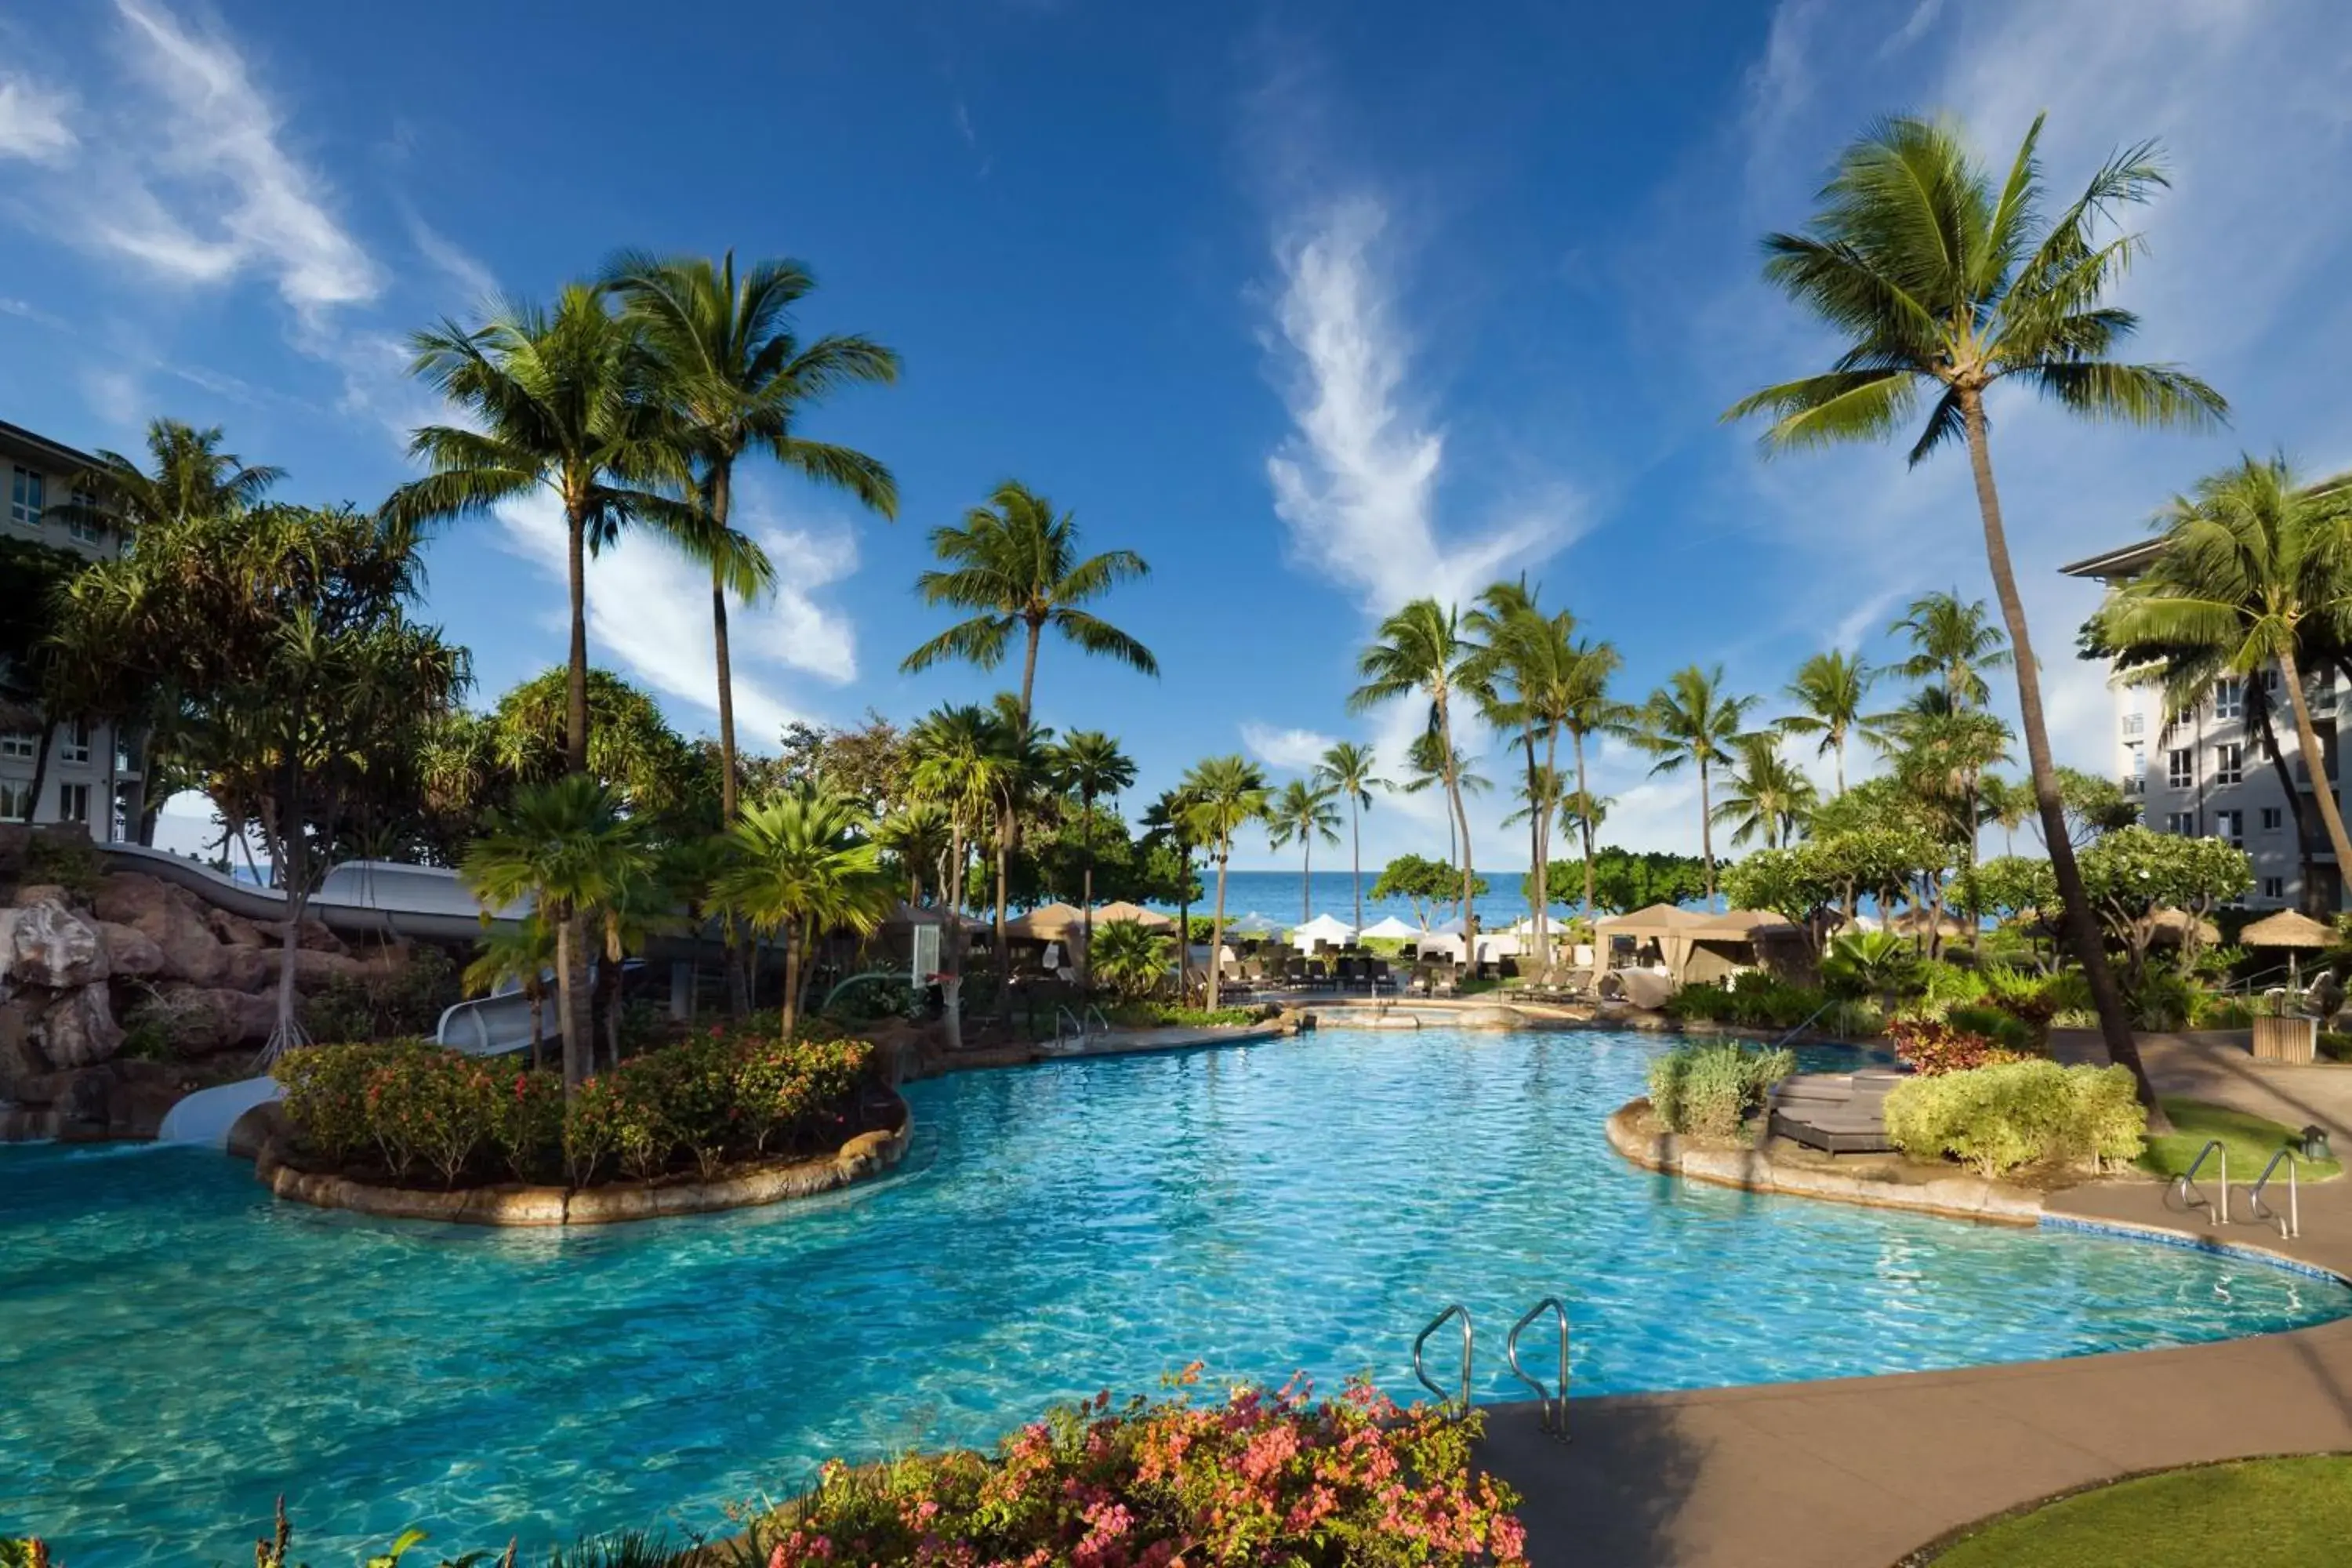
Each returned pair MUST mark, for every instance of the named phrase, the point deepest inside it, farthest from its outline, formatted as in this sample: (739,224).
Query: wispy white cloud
(1294,750)
(33,121)
(452,260)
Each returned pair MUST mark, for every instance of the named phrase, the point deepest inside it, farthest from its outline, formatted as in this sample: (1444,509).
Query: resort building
(94,775)
(2230,766)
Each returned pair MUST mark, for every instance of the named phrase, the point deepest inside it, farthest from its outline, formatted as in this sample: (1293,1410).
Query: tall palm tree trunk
(2323,788)
(1306,876)
(1086,894)
(1706,830)
(1584,832)
(2082,927)
(1356,858)
(573,1006)
(2259,710)
(1003,951)
(1185,925)
(538,1026)
(794,942)
(1217,928)
(571,974)
(1838,746)
(951,939)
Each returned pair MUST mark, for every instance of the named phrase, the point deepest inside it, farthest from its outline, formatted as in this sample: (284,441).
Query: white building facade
(2218,771)
(95,775)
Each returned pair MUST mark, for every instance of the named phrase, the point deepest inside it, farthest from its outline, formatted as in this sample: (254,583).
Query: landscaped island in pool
(178,1347)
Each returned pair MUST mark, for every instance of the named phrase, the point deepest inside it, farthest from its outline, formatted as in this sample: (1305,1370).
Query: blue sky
(1319,306)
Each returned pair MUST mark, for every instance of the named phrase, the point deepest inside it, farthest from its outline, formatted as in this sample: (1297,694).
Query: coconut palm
(1537,680)
(1169,818)
(519,953)
(1088,763)
(1691,721)
(1941,280)
(803,867)
(567,846)
(1224,796)
(1829,691)
(1425,764)
(193,479)
(1939,748)
(1953,644)
(1590,711)
(1016,565)
(1764,797)
(2255,569)
(736,378)
(917,837)
(1347,768)
(963,756)
(1300,812)
(1420,648)
(2005,804)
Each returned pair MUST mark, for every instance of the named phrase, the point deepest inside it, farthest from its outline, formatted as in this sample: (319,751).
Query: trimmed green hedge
(1712,1089)
(419,1113)
(1996,1118)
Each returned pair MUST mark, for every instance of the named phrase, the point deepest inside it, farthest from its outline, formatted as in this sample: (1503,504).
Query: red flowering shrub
(1931,1046)
(1263,1477)
(527,1124)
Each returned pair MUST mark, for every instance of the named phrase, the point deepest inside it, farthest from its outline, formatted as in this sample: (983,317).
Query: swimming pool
(176,1347)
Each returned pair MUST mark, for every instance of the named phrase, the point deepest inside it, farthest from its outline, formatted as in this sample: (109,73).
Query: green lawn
(2250,1140)
(2283,1511)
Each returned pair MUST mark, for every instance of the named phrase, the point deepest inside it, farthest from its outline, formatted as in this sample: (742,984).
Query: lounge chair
(1838,1113)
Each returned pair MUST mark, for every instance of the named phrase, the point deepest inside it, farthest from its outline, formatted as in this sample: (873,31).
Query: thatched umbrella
(2291,930)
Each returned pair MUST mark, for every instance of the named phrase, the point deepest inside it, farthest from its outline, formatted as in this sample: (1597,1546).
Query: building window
(2229,700)
(2180,768)
(73,802)
(15,801)
(2323,696)
(83,530)
(2273,818)
(2274,886)
(2270,684)
(75,752)
(2183,823)
(2230,764)
(2232,826)
(20,743)
(2134,723)
(27,496)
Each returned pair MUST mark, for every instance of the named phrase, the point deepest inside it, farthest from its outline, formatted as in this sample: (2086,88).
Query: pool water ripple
(177,1348)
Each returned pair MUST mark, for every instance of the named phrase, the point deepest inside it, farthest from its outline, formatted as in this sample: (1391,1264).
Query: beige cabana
(2288,928)
(2176,927)
(1668,927)
(1150,919)
(1047,922)
(1914,922)
(1721,945)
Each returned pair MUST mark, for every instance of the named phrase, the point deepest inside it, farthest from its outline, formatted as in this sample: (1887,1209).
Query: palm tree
(917,837)
(1953,644)
(1169,816)
(567,846)
(961,757)
(1420,648)
(1016,565)
(1940,749)
(1088,763)
(1940,280)
(1764,797)
(1224,794)
(1425,768)
(1829,691)
(2254,570)
(518,953)
(1691,720)
(1132,958)
(2005,804)
(802,868)
(1589,711)
(1534,683)
(1300,812)
(736,377)
(1347,767)
(193,479)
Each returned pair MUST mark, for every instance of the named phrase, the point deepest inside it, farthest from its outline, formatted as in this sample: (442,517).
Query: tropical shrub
(1712,1088)
(430,1110)
(1853,1020)
(1753,1000)
(1263,1476)
(1933,1046)
(2004,1029)
(1996,1118)
(1128,959)
(406,1000)
(2161,1000)
(1170,1015)
(326,1093)
(1873,963)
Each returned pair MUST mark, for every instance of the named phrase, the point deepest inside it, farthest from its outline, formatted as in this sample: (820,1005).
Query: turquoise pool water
(176,1348)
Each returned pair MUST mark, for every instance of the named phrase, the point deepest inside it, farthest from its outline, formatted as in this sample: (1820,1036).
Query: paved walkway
(2218,1066)
(1856,1472)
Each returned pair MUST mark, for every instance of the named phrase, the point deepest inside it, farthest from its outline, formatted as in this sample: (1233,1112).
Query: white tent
(1251,924)
(1394,930)
(1322,928)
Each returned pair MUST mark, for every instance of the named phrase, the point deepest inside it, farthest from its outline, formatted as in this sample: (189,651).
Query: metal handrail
(1801,1028)
(1421,1339)
(1078,1025)
(2291,1223)
(1552,1408)
(1097,1014)
(2186,1182)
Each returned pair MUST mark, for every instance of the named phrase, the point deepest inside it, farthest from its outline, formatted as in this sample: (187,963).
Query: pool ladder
(1552,1401)
(2290,1224)
(2191,1195)
(1079,1023)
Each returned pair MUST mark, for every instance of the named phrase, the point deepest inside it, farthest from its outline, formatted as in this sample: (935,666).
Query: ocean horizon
(1277,896)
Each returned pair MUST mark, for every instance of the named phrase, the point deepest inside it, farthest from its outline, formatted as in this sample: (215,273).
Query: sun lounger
(1838,1113)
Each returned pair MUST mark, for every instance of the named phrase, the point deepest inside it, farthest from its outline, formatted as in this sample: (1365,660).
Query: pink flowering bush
(1262,1476)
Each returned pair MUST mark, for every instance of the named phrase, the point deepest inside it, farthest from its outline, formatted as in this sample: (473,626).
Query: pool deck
(1858,1472)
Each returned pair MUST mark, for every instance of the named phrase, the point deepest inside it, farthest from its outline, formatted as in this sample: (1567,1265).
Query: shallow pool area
(177,1348)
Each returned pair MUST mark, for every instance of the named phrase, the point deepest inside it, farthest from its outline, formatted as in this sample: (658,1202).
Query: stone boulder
(42,893)
(315,937)
(200,1020)
(247,969)
(236,930)
(171,916)
(131,954)
(78,1028)
(20,1059)
(49,945)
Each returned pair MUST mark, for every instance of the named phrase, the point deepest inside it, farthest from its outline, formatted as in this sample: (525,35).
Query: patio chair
(1380,979)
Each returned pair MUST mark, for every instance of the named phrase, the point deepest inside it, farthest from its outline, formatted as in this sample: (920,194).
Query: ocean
(1276,895)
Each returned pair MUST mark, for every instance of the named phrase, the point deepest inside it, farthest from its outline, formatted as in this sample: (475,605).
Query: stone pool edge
(863,1157)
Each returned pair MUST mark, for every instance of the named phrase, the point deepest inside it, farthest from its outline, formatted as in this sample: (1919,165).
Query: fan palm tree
(1764,797)
(803,867)
(1300,812)
(2255,568)
(1347,768)
(1016,565)
(1829,691)
(1420,648)
(736,378)
(1942,280)
(963,756)
(1088,763)
(518,953)
(1691,721)
(1953,644)
(1224,796)
(567,846)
